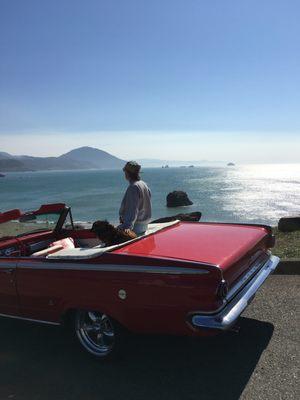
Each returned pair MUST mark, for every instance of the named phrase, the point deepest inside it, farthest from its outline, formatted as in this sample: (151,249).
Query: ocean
(251,194)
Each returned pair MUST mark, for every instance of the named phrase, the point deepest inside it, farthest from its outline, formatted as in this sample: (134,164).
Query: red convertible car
(181,278)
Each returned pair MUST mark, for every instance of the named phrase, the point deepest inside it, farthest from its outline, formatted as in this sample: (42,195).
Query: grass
(287,244)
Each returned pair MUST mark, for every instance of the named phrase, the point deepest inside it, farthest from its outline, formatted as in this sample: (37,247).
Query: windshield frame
(62,215)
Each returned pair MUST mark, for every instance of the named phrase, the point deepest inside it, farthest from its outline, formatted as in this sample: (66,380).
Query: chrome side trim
(29,319)
(229,314)
(7,264)
(113,268)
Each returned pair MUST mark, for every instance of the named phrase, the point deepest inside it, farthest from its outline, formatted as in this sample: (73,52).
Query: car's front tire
(97,333)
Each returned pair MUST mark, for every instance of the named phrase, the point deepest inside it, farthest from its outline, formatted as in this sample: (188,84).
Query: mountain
(10,164)
(93,158)
(81,158)
(4,155)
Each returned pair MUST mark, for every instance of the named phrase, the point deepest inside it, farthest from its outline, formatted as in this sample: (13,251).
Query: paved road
(261,362)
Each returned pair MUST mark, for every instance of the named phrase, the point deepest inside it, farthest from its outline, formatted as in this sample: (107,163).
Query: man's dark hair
(132,168)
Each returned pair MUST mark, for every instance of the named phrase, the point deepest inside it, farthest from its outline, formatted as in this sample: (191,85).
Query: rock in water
(289,224)
(190,217)
(178,199)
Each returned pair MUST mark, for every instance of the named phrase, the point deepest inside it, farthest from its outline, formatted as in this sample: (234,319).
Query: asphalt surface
(260,362)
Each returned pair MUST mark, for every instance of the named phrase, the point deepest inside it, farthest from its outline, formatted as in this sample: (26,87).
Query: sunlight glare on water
(263,192)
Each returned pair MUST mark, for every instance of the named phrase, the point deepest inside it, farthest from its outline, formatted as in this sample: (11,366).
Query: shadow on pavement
(39,362)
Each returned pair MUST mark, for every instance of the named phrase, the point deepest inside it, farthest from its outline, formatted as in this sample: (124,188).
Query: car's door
(8,291)
(40,289)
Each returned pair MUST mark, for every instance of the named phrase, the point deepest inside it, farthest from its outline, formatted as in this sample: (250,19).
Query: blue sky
(213,79)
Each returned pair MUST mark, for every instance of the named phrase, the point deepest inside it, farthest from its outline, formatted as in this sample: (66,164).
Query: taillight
(223,289)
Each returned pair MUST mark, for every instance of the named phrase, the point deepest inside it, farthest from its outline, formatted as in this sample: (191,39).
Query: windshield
(29,223)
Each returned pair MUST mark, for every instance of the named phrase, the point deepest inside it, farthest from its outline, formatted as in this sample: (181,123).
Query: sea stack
(178,198)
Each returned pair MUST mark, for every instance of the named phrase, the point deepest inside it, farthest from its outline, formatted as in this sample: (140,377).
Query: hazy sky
(180,79)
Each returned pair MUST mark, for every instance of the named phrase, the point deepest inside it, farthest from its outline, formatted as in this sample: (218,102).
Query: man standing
(135,211)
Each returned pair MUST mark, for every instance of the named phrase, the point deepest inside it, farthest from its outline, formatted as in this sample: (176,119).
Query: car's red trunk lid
(231,247)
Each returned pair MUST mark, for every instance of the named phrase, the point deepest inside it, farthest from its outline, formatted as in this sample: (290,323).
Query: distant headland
(87,158)
(81,158)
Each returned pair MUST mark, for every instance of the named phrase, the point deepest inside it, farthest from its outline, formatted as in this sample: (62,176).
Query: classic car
(179,278)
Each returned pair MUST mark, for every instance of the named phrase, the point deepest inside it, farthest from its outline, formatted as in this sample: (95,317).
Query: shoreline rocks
(189,217)
(178,198)
(289,224)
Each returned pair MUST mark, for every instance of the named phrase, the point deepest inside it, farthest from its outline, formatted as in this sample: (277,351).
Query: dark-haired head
(132,171)
(102,228)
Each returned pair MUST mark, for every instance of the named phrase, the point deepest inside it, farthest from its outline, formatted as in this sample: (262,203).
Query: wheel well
(69,315)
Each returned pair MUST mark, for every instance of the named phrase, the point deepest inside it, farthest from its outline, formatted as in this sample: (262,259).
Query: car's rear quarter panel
(155,302)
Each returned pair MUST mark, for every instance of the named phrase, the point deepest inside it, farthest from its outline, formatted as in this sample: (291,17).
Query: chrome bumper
(225,318)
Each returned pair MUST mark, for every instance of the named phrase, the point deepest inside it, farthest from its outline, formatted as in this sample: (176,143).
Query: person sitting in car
(135,211)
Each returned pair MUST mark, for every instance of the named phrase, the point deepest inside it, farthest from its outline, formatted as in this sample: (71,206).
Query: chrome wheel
(95,332)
